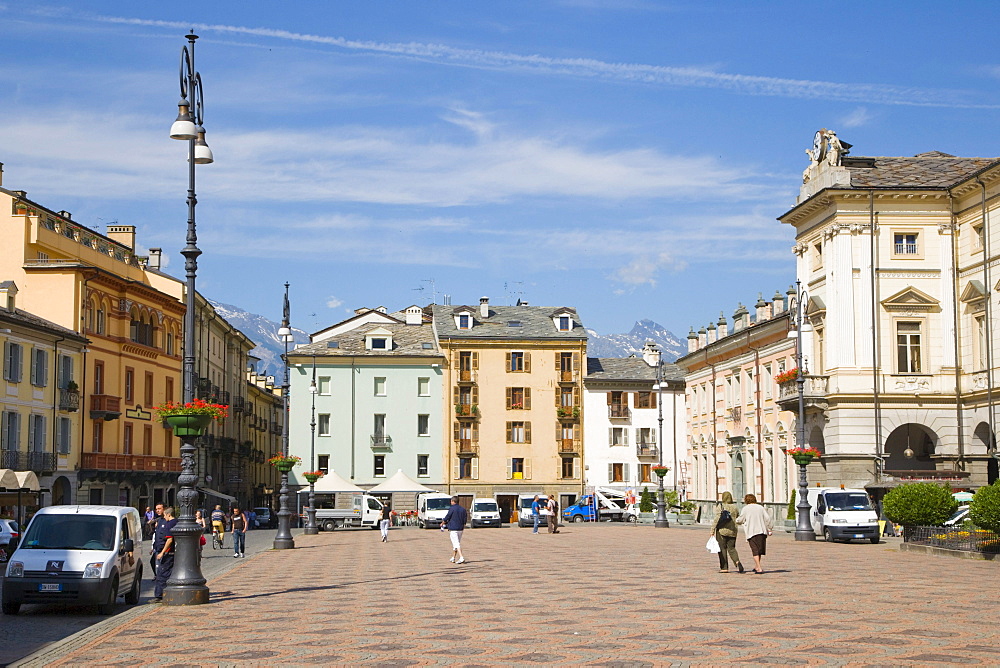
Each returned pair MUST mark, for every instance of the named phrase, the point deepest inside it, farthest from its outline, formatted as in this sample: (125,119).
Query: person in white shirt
(757,527)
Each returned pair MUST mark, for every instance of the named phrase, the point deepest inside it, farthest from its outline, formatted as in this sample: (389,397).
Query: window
(465,468)
(147,439)
(423,466)
(141,330)
(129,384)
(12,357)
(566,397)
(323,386)
(464,321)
(323,424)
(379,465)
(617,472)
(618,436)
(169,390)
(516,361)
(65,435)
(979,324)
(170,343)
(908,347)
(39,367)
(100,319)
(323,463)
(423,387)
(379,343)
(818,255)
(978,240)
(380,387)
(127,439)
(423,425)
(517,468)
(518,398)
(568,467)
(645,400)
(97,443)
(519,432)
(10,430)
(379,427)
(65,371)
(564,323)
(768,381)
(905,243)
(147,390)
(645,436)
(98,377)
(645,471)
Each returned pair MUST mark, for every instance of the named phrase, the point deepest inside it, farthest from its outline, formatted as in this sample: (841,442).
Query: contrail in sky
(624,72)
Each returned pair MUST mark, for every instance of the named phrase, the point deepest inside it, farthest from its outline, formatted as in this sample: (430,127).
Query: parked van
(524,518)
(485,513)
(77,555)
(431,509)
(842,514)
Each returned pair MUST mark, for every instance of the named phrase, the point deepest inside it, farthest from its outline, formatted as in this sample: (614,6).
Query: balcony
(102,461)
(467,410)
(69,400)
(646,450)
(224,397)
(814,393)
(568,412)
(41,462)
(568,376)
(381,442)
(13,459)
(238,404)
(466,447)
(569,446)
(467,376)
(619,412)
(105,407)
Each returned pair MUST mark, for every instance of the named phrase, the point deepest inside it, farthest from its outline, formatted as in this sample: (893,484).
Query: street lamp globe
(183,128)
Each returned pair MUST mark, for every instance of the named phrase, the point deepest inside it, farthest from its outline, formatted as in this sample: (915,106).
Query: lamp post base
(182,595)
(661,524)
(805,535)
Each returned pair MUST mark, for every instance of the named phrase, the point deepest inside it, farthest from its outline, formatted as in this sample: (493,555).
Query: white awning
(333,482)
(13,481)
(216,493)
(400,482)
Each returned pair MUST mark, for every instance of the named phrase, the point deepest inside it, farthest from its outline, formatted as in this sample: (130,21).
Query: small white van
(77,555)
(485,513)
(431,509)
(524,517)
(842,514)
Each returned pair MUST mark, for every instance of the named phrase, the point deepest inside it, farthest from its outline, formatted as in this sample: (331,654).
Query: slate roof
(926,170)
(407,341)
(30,320)
(535,323)
(629,368)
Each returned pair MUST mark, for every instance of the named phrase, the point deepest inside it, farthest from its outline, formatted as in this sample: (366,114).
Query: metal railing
(102,461)
(646,450)
(381,442)
(619,411)
(954,538)
(69,400)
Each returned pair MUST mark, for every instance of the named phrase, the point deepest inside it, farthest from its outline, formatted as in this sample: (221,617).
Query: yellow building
(95,284)
(514,382)
(39,401)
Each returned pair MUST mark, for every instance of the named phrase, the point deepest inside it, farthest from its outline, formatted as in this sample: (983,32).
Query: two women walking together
(725,527)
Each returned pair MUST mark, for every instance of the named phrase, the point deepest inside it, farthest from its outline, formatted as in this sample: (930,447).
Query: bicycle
(217,539)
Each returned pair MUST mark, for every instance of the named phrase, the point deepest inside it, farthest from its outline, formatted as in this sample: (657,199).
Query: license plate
(50,587)
(859,535)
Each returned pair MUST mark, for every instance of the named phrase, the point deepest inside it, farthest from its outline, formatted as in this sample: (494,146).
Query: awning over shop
(13,481)
(399,482)
(333,482)
(216,493)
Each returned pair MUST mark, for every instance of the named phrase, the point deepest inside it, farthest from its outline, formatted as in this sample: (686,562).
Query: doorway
(739,478)
(508,507)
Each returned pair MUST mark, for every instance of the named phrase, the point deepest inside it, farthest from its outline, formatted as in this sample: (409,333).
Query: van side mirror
(128,546)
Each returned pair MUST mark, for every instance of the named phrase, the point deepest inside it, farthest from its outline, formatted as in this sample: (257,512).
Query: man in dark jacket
(454,521)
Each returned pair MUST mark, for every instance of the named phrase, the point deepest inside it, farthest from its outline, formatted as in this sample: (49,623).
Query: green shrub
(984,511)
(646,503)
(919,504)
(688,506)
(790,515)
(672,499)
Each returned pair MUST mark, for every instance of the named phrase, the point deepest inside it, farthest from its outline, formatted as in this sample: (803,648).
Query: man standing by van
(536,508)
(163,552)
(152,525)
(454,521)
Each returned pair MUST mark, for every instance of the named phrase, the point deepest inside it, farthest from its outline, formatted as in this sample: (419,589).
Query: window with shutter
(65,370)
(527,432)
(510,468)
(527,469)
(65,435)
(474,464)
(527,398)
(31,433)
(527,362)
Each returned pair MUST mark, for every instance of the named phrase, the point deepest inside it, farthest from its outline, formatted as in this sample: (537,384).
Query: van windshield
(71,532)
(485,507)
(438,504)
(848,501)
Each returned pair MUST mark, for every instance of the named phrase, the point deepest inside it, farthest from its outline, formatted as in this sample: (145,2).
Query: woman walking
(724,529)
(239,523)
(757,527)
(384,521)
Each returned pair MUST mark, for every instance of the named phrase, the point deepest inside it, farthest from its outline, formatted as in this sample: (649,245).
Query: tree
(919,504)
(646,503)
(790,515)
(984,511)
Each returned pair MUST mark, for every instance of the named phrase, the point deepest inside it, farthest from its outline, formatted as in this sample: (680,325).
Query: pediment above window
(911,299)
(973,292)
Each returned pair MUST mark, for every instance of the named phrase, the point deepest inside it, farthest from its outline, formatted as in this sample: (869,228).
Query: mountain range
(264,333)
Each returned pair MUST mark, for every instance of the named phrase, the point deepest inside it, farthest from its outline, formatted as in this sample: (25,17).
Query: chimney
(692,341)
(414,316)
(777,303)
(155,257)
(66,214)
(740,317)
(792,298)
(484,307)
(723,325)
(702,336)
(712,333)
(8,292)
(651,354)
(762,309)
(123,234)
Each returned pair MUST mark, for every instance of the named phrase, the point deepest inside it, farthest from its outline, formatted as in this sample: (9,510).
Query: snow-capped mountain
(263,332)
(623,345)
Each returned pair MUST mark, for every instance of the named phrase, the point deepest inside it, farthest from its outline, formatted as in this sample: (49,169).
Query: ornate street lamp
(803,528)
(186,585)
(283,539)
(311,529)
(661,521)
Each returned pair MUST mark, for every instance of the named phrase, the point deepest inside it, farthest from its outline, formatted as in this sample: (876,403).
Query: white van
(842,514)
(431,509)
(485,513)
(524,518)
(77,555)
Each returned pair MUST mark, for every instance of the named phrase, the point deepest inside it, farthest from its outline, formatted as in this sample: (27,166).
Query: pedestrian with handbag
(725,530)
(757,527)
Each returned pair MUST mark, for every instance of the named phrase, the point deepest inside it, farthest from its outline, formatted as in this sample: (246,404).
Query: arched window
(140,329)
(99,323)
(90,315)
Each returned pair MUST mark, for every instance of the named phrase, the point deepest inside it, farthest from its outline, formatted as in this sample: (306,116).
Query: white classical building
(623,405)
(890,252)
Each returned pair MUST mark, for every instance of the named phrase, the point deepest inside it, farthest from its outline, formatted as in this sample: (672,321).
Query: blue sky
(625,157)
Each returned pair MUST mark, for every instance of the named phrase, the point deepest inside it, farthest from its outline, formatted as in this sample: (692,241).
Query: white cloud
(857,118)
(642,270)
(333,302)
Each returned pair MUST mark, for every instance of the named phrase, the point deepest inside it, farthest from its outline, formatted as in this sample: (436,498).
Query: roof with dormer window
(535,323)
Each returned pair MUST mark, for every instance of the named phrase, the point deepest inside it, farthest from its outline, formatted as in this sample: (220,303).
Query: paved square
(609,595)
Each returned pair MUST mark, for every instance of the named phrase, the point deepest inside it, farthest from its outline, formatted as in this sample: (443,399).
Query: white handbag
(713,545)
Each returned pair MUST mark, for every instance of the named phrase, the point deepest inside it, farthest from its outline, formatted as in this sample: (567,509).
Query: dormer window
(463,322)
(463,319)
(378,343)
(378,339)
(563,321)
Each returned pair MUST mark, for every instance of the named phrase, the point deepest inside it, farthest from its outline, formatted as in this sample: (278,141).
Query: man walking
(239,524)
(454,521)
(536,508)
(553,519)
(153,525)
(163,552)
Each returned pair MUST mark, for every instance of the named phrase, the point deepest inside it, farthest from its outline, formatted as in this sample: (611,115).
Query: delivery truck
(365,511)
(842,514)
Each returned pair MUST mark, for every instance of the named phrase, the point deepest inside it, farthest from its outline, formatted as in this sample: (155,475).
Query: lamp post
(186,586)
(283,539)
(311,529)
(803,528)
(661,521)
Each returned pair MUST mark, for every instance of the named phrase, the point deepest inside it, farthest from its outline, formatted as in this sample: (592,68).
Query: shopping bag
(713,545)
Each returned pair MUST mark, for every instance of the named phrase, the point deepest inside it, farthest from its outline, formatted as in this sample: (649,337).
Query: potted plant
(284,463)
(803,456)
(661,470)
(784,377)
(190,419)
(312,476)
(71,386)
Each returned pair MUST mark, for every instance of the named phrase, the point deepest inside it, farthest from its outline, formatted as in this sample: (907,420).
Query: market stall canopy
(399,482)
(333,482)
(962,496)
(12,481)
(212,492)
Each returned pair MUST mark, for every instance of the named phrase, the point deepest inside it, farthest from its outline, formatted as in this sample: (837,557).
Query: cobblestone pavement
(607,595)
